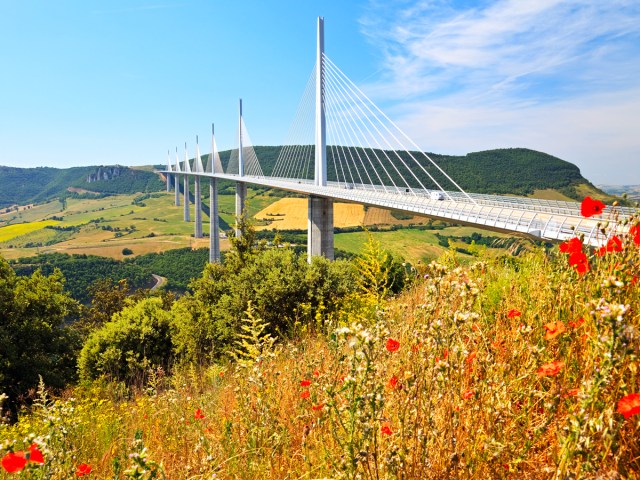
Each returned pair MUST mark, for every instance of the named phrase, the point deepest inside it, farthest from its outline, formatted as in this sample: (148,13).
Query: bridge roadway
(535,218)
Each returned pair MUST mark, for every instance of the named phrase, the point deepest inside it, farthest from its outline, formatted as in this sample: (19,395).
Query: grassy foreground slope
(511,368)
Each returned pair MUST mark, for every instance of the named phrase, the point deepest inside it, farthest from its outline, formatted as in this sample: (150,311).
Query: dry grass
(291,214)
(441,382)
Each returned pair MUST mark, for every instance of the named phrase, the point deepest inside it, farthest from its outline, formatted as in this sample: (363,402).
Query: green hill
(23,186)
(515,171)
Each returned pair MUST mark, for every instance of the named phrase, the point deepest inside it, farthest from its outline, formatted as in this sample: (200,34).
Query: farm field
(412,245)
(151,223)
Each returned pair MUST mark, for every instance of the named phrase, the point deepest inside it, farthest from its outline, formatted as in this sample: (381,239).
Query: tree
(138,337)
(34,340)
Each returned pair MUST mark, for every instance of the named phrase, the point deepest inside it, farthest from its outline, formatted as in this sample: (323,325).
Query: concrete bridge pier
(241,197)
(176,187)
(320,228)
(168,182)
(214,225)
(198,209)
(187,216)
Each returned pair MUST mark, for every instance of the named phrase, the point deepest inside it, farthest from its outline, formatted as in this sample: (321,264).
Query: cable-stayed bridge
(342,147)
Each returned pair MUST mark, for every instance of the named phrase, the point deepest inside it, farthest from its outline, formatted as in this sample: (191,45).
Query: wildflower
(386,430)
(83,469)
(305,394)
(572,245)
(513,313)
(305,383)
(579,262)
(316,373)
(550,369)
(634,231)
(629,405)
(35,455)
(554,329)
(318,406)
(393,383)
(470,357)
(393,345)
(198,415)
(14,462)
(577,323)
(614,244)
(590,207)
(468,394)
(572,392)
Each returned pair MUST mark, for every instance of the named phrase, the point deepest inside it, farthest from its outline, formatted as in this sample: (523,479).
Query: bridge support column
(176,185)
(187,216)
(214,225)
(320,230)
(198,209)
(241,197)
(168,182)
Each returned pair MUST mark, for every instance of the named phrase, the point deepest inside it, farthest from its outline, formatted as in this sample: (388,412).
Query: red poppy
(614,244)
(629,405)
(83,469)
(634,231)
(14,462)
(386,430)
(318,407)
(550,369)
(554,329)
(305,394)
(513,313)
(470,357)
(572,245)
(572,392)
(577,323)
(468,394)
(590,207)
(602,251)
(393,345)
(198,415)
(305,383)
(580,262)
(316,373)
(35,455)
(393,383)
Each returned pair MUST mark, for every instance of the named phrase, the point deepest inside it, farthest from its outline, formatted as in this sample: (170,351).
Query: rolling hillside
(22,186)
(515,171)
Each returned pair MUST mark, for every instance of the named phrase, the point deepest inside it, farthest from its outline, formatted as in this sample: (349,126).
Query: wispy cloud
(484,76)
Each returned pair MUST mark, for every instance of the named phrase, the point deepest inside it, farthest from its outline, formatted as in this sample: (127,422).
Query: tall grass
(512,368)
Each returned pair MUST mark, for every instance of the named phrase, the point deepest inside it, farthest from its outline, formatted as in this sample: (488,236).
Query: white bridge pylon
(342,147)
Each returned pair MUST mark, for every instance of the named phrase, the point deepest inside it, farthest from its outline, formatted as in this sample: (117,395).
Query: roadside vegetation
(503,367)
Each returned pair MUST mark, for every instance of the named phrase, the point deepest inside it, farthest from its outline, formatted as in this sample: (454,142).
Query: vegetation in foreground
(512,368)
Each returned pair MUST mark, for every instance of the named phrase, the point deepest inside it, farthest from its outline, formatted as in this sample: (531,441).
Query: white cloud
(559,76)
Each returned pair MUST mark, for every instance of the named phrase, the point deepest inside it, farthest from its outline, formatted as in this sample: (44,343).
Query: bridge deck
(546,219)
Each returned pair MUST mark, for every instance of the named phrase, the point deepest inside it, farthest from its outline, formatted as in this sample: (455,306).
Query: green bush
(284,290)
(135,340)
(34,340)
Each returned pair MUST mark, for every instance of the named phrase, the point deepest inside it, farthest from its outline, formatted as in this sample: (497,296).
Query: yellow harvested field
(13,231)
(291,214)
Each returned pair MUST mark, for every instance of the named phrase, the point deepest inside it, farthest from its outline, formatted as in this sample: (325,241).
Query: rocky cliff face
(106,173)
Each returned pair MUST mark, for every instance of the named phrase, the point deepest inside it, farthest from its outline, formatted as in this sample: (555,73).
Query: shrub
(137,338)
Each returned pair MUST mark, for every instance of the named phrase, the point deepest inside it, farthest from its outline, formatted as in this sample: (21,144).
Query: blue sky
(96,82)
